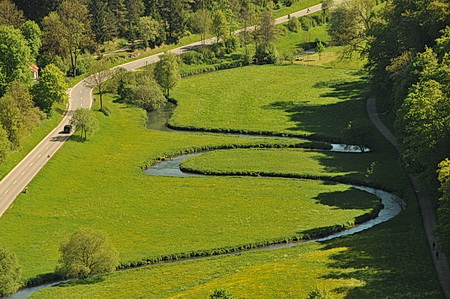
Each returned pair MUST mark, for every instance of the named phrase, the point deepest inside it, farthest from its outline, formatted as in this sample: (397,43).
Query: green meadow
(100,184)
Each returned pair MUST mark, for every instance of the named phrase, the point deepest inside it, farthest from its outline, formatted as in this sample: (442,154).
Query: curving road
(80,96)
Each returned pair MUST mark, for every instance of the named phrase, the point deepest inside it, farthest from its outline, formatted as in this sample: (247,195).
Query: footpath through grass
(100,184)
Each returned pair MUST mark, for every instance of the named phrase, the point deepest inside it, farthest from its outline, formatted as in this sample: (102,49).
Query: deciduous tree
(10,272)
(85,253)
(98,76)
(15,57)
(32,33)
(166,72)
(10,14)
(84,119)
(50,88)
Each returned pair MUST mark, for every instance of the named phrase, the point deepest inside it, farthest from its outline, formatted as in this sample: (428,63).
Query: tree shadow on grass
(326,120)
(345,200)
(84,281)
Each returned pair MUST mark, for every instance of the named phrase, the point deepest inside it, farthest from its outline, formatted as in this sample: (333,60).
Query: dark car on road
(67,129)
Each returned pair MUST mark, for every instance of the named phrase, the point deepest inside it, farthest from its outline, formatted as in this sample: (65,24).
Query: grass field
(305,102)
(147,216)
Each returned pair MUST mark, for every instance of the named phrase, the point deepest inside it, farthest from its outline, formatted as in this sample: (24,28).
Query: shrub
(87,252)
(221,294)
(231,44)
(293,25)
(266,53)
(192,57)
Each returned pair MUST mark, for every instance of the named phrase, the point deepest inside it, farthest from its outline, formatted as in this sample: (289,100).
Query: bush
(266,53)
(193,57)
(85,253)
(221,294)
(293,25)
(10,272)
(231,44)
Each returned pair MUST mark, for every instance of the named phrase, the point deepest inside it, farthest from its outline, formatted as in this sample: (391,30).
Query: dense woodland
(406,43)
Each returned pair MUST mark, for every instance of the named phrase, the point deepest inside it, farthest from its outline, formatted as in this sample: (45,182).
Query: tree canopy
(10,271)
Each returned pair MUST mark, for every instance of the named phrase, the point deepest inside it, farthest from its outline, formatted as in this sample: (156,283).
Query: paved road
(426,208)
(16,181)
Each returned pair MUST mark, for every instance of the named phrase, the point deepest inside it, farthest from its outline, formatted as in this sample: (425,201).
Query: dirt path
(427,210)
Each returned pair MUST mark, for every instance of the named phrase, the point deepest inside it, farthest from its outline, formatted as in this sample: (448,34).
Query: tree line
(407,44)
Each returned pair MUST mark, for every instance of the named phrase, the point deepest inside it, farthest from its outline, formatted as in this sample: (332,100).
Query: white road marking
(81,105)
(81,91)
(22,173)
(6,191)
(39,155)
(14,182)
(31,164)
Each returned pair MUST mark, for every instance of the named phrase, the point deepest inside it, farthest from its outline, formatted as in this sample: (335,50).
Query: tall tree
(97,78)
(51,88)
(443,227)
(32,33)
(135,8)
(54,42)
(104,24)
(15,57)
(31,115)
(11,272)
(173,16)
(10,15)
(166,72)
(266,31)
(77,30)
(220,25)
(202,23)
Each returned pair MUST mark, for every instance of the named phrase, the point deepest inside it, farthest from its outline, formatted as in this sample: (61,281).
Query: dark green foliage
(221,294)
(318,294)
(293,25)
(443,227)
(10,272)
(358,132)
(15,56)
(266,53)
(192,57)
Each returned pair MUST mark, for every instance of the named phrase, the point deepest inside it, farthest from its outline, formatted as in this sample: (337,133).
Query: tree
(51,88)
(293,24)
(84,119)
(87,252)
(423,124)
(32,33)
(266,53)
(173,19)
(104,24)
(98,76)
(351,22)
(443,226)
(10,272)
(15,57)
(220,25)
(5,144)
(134,9)
(76,28)
(150,31)
(11,120)
(201,23)
(54,42)
(142,91)
(166,72)
(358,133)
(320,47)
(266,31)
(10,15)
